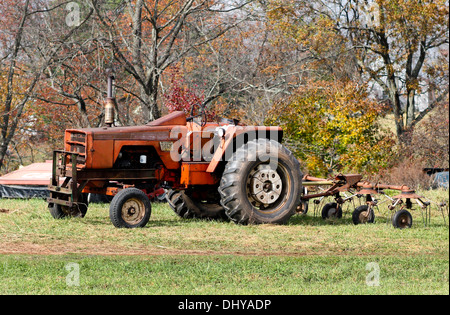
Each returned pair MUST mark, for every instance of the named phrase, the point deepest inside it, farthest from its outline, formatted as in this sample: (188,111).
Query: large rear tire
(178,204)
(188,207)
(261,184)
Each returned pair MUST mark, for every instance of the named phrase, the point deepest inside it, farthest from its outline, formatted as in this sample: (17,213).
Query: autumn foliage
(324,71)
(332,127)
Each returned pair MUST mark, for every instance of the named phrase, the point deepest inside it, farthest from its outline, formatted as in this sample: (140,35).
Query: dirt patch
(4,210)
(26,248)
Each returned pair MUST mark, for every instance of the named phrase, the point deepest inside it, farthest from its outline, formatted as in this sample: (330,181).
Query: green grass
(175,256)
(221,275)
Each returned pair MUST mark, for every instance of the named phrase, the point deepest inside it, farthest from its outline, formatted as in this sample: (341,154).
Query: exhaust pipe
(110,103)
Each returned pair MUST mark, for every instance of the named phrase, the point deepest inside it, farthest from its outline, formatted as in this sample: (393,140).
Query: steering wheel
(202,114)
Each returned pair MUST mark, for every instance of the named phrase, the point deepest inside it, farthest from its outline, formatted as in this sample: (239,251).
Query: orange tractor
(211,170)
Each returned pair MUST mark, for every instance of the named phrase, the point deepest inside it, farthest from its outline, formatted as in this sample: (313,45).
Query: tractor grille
(79,137)
(79,148)
(77,143)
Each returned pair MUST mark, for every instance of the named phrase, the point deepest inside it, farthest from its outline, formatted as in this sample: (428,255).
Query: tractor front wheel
(130,208)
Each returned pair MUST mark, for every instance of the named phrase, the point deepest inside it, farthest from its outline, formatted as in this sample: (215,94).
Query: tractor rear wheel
(178,204)
(261,184)
(186,206)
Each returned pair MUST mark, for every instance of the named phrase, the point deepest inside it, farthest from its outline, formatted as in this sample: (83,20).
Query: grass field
(40,255)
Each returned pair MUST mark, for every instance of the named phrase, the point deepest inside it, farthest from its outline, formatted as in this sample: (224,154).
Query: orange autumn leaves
(332,127)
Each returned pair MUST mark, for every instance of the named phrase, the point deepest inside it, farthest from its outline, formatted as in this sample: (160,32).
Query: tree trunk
(149,96)
(396,106)
(8,121)
(394,96)
(410,107)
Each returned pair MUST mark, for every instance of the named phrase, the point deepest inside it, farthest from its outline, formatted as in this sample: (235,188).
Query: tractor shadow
(315,220)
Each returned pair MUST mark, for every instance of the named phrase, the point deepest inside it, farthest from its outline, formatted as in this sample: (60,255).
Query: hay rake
(362,195)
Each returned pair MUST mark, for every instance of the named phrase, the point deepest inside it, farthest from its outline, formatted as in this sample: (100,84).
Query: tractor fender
(236,136)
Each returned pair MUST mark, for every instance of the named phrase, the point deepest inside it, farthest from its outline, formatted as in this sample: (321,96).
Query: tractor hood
(98,148)
(156,130)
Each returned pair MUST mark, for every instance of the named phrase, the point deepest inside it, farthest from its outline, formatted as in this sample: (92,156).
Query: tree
(148,36)
(71,88)
(393,42)
(430,140)
(24,59)
(179,97)
(244,71)
(332,126)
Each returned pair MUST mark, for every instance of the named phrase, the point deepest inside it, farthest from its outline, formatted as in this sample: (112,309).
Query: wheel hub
(364,216)
(265,186)
(133,211)
(332,212)
(403,221)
